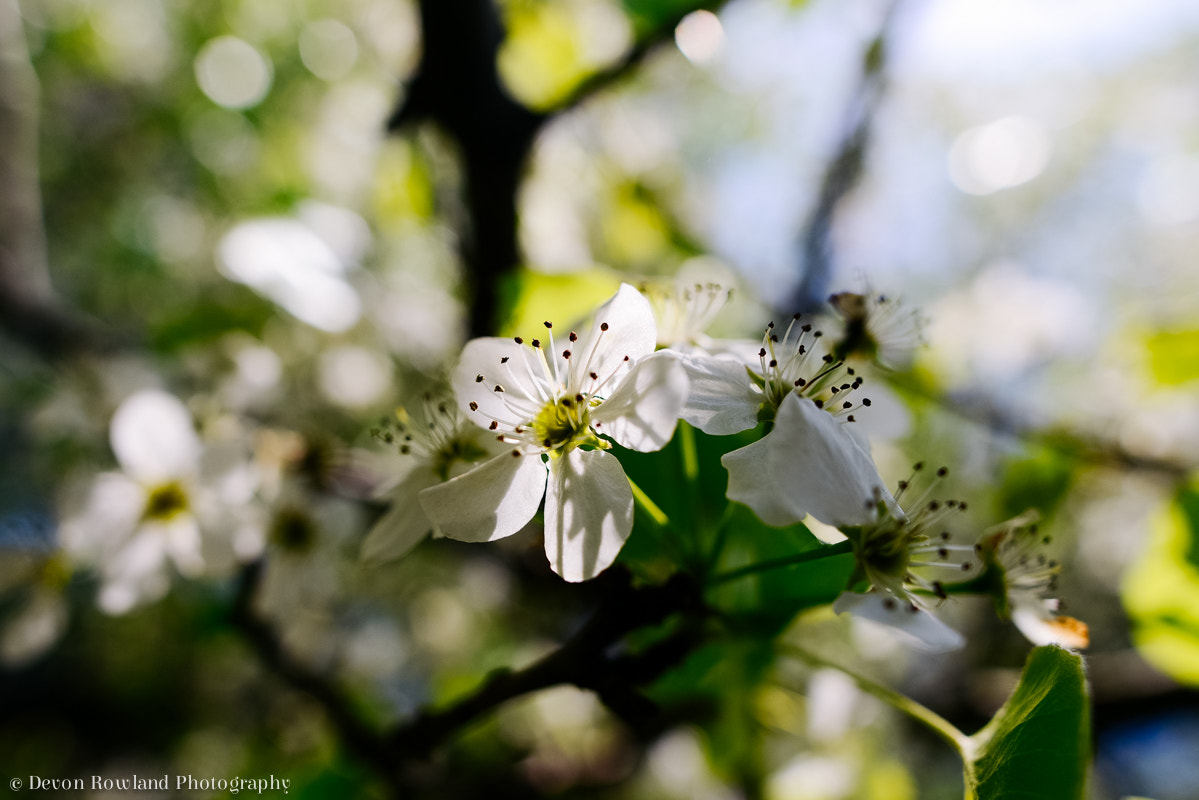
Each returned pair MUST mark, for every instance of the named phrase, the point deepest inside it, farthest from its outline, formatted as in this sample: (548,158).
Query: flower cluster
(533,421)
(537,424)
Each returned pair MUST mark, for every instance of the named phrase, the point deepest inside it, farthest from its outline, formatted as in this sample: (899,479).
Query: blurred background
(273,222)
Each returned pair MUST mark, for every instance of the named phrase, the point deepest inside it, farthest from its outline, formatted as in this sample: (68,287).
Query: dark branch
(660,33)
(30,312)
(589,660)
(363,740)
(458,87)
(842,174)
(584,661)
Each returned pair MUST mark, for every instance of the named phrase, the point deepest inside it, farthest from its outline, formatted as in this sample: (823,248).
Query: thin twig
(584,661)
(363,740)
(843,173)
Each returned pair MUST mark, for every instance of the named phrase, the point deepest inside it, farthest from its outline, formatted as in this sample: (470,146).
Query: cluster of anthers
(437,437)
(550,409)
(916,538)
(684,311)
(795,363)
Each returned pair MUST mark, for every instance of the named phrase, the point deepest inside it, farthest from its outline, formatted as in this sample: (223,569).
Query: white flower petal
(812,465)
(815,457)
(722,400)
(631,332)
(405,522)
(925,630)
(182,536)
(643,412)
(144,555)
(520,377)
(751,483)
(32,628)
(588,513)
(153,437)
(491,501)
(1035,619)
(110,514)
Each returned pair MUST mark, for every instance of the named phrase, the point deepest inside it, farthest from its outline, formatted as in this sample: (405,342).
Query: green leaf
(1174,356)
(1159,591)
(717,683)
(1039,744)
(768,600)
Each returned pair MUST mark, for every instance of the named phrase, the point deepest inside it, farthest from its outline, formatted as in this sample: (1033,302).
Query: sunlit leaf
(718,683)
(536,297)
(1159,591)
(1038,746)
(1174,356)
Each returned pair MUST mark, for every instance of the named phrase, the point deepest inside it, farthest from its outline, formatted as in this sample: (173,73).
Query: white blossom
(1016,548)
(875,327)
(898,552)
(552,401)
(435,444)
(137,523)
(809,462)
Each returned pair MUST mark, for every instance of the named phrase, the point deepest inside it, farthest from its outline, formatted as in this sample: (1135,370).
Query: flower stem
(649,506)
(826,551)
(690,455)
(722,535)
(926,716)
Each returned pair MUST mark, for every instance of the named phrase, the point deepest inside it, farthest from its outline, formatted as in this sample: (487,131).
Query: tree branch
(363,740)
(29,310)
(661,33)
(587,660)
(843,173)
(584,661)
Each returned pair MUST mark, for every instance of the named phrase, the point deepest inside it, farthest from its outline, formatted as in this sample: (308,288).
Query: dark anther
(603,326)
(474,406)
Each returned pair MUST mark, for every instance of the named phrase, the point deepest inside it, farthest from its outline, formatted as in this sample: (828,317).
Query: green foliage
(1039,479)
(1037,747)
(651,14)
(718,683)
(1174,356)
(1159,591)
(769,599)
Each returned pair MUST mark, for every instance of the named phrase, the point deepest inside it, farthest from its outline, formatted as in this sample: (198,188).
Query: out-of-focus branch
(457,85)
(584,661)
(647,42)
(357,735)
(22,237)
(843,173)
(29,310)
(587,660)
(982,411)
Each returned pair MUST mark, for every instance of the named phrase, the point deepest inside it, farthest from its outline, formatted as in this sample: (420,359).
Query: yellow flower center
(165,502)
(563,425)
